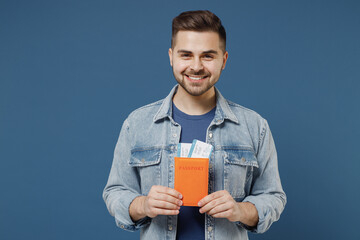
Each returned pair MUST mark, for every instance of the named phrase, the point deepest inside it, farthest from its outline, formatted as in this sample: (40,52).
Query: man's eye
(185,55)
(208,57)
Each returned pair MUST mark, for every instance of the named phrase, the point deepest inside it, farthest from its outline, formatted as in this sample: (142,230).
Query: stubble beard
(193,88)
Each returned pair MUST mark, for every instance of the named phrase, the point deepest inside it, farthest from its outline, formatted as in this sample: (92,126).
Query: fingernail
(180,203)
(180,196)
(199,204)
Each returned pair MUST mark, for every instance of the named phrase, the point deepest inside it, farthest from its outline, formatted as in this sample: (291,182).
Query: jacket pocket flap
(241,157)
(145,157)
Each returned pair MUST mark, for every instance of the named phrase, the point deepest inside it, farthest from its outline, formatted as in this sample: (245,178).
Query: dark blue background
(71,71)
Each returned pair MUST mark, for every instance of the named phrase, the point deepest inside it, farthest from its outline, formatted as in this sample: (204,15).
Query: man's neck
(194,105)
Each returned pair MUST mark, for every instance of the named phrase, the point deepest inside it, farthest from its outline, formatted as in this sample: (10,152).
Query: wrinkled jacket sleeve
(123,184)
(266,193)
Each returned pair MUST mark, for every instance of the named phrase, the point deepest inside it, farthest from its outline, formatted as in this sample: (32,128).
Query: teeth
(196,78)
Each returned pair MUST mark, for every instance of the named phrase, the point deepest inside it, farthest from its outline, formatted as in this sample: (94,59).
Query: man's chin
(196,90)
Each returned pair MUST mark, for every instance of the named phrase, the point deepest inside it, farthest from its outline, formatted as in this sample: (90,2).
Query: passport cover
(191,179)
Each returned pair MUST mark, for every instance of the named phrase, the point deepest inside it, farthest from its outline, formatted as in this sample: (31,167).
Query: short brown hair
(199,21)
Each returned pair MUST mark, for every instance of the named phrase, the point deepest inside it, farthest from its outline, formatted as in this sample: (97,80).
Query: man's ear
(170,56)
(225,57)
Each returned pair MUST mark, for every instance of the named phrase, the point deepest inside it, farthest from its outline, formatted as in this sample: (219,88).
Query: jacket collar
(222,112)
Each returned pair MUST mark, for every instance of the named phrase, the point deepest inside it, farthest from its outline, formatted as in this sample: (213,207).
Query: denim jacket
(243,162)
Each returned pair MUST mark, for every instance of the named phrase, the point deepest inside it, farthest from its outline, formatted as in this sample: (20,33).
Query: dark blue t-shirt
(191,224)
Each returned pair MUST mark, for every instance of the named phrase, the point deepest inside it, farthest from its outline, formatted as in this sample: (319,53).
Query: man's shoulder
(249,120)
(242,112)
(146,112)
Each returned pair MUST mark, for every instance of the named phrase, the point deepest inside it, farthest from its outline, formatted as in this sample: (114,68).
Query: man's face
(197,60)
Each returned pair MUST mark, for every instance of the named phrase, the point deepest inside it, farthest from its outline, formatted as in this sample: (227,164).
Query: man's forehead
(204,41)
(193,35)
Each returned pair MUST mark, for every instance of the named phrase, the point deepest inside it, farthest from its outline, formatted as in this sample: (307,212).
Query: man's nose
(196,65)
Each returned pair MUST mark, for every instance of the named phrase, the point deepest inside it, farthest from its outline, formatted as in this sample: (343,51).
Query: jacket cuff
(264,218)
(124,221)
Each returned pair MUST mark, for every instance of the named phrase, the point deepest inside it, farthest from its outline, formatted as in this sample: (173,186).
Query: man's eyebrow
(211,51)
(205,52)
(183,51)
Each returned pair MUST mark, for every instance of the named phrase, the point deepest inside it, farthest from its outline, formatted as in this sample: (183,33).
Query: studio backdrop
(72,71)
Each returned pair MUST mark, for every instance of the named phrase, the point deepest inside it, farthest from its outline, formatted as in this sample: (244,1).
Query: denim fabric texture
(244,162)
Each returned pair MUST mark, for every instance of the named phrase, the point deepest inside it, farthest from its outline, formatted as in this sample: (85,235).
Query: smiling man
(197,59)
(245,192)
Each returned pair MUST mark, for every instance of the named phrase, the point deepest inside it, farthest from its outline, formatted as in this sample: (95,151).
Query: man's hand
(220,204)
(160,201)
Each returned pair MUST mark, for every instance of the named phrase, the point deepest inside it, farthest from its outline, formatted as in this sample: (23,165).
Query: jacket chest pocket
(147,162)
(239,165)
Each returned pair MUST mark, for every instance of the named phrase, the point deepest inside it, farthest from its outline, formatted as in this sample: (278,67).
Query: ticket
(183,149)
(200,149)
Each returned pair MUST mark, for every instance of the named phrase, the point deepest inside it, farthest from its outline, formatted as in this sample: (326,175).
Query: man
(245,191)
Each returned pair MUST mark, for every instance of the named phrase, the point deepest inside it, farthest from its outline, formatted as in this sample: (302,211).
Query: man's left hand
(220,204)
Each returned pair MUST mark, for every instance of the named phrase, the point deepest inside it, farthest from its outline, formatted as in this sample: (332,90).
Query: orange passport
(191,179)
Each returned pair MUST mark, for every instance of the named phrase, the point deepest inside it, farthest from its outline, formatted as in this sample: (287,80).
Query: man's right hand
(160,201)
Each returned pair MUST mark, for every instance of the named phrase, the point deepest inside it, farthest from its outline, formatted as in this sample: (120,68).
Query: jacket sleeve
(123,184)
(266,193)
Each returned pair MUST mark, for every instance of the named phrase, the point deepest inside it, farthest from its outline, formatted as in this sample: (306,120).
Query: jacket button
(210,135)
(174,135)
(243,159)
(170,228)
(209,229)
(143,160)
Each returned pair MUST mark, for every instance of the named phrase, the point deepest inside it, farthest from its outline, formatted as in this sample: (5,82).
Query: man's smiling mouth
(195,78)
